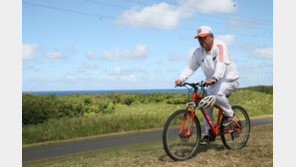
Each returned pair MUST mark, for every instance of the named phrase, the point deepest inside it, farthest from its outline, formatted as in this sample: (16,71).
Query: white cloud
(206,6)
(162,16)
(29,51)
(29,67)
(69,50)
(139,53)
(107,77)
(70,77)
(250,69)
(65,53)
(43,79)
(265,53)
(236,23)
(173,70)
(86,65)
(76,79)
(227,38)
(246,46)
(130,78)
(183,57)
(117,70)
(26,67)
(90,54)
(251,73)
(165,16)
(120,74)
(54,55)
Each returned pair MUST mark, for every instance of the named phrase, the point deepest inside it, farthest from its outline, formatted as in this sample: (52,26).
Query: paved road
(44,152)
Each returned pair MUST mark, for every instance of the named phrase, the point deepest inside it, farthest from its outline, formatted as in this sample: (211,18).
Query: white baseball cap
(203,31)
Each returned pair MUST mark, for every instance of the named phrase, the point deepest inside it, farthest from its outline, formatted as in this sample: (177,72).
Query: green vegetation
(37,109)
(258,152)
(52,118)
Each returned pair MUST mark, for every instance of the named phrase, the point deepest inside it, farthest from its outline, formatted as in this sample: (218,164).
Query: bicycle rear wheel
(233,137)
(181,145)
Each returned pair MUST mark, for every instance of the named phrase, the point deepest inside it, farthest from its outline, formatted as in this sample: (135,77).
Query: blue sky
(133,44)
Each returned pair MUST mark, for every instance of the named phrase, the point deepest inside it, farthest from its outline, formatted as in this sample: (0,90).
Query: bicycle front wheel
(181,136)
(232,136)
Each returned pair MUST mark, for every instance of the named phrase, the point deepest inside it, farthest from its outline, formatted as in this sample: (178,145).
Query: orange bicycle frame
(215,129)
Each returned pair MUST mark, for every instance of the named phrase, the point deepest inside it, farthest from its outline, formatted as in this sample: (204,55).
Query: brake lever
(202,84)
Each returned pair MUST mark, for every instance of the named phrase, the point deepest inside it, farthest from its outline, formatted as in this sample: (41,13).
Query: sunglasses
(202,38)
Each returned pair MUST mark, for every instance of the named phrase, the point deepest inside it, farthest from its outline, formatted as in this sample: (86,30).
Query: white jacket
(216,63)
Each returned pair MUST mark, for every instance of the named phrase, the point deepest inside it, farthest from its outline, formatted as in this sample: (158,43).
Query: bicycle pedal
(212,136)
(212,139)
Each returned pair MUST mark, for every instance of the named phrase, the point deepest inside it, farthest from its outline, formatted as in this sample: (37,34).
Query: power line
(113,18)
(103,16)
(165,14)
(102,3)
(250,18)
(169,2)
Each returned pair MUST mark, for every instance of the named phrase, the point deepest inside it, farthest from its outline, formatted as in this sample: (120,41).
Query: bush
(87,100)
(37,108)
(110,108)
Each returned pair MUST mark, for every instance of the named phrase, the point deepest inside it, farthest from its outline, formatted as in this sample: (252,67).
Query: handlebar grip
(203,83)
(179,85)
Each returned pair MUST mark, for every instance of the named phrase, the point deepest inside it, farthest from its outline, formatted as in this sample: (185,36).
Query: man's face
(205,41)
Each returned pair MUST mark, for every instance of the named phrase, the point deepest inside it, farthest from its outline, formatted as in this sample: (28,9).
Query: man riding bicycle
(220,71)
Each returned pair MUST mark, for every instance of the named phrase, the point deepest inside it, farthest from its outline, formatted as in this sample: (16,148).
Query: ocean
(143,91)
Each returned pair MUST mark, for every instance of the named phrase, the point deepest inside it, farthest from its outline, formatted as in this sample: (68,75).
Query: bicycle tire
(171,132)
(237,139)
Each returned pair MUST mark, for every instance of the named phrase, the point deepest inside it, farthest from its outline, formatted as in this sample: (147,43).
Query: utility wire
(269,22)
(128,21)
(165,14)
(154,13)
(209,10)
(103,16)
(212,11)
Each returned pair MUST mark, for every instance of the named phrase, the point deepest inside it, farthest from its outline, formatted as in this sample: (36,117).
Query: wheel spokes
(238,130)
(180,144)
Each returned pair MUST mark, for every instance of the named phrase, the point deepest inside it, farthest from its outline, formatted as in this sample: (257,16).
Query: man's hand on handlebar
(210,81)
(178,82)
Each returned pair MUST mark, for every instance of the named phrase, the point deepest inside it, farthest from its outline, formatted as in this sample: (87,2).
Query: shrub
(110,108)
(36,109)
(87,100)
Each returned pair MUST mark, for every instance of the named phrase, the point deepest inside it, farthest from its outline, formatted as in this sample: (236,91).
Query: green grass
(257,103)
(258,152)
(146,116)
(124,118)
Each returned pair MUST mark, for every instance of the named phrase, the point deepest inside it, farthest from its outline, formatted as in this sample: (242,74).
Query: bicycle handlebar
(194,85)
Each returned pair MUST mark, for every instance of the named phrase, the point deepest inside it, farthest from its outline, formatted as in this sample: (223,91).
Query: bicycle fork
(191,116)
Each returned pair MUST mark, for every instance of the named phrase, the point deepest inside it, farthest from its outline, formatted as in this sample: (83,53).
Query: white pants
(220,89)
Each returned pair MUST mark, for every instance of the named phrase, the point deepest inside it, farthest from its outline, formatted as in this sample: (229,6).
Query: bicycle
(182,131)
